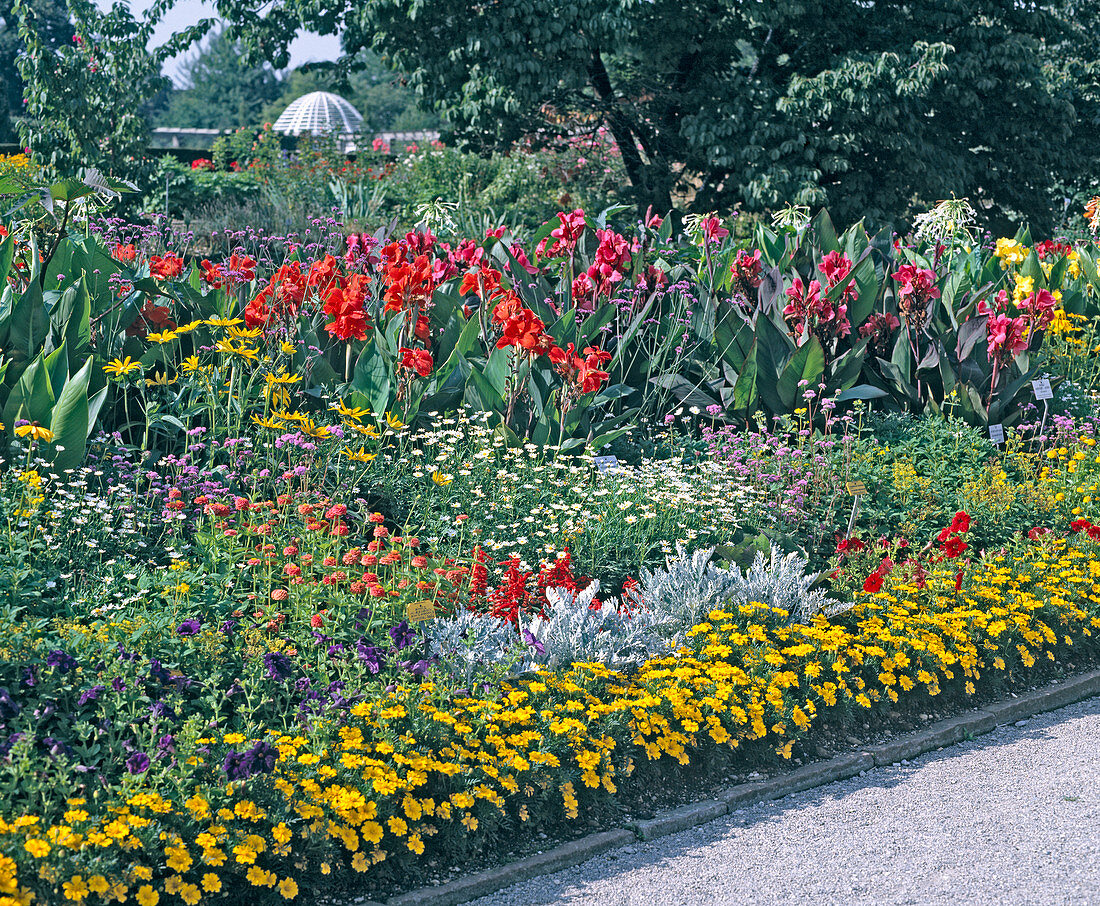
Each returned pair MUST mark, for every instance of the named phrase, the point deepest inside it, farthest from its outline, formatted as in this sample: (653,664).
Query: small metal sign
(997,434)
(419,611)
(1042,389)
(606,463)
(856,488)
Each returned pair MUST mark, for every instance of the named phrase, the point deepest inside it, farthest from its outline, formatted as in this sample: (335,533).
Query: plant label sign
(419,611)
(997,434)
(606,463)
(1042,389)
(856,488)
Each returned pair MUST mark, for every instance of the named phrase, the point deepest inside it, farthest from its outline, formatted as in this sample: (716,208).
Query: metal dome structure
(317,113)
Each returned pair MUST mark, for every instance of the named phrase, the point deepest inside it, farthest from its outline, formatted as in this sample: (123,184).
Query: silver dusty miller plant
(575,631)
(471,646)
(690,586)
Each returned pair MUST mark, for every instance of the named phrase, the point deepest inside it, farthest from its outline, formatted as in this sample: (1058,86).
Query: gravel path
(1009,817)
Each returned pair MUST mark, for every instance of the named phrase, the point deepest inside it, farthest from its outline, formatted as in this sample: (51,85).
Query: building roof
(317,113)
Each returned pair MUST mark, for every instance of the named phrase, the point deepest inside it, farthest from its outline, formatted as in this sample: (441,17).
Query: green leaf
(31,398)
(744,389)
(7,255)
(373,377)
(28,327)
(69,420)
(481,394)
(807,364)
(861,392)
(57,367)
(498,368)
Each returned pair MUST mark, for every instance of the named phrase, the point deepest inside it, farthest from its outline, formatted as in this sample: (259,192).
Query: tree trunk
(651,187)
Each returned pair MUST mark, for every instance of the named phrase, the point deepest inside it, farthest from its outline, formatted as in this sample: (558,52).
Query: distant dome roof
(319,112)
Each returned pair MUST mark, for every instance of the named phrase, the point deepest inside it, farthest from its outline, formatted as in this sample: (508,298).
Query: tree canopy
(56,31)
(219,90)
(870,108)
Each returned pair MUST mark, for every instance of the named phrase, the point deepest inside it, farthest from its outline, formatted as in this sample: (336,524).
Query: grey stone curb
(935,736)
(492,880)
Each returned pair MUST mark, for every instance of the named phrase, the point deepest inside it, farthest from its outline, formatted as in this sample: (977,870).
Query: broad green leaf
(807,364)
(69,420)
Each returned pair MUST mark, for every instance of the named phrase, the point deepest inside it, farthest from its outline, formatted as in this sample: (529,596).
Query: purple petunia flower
(278,666)
(91,695)
(189,627)
(373,657)
(62,661)
(138,763)
(403,635)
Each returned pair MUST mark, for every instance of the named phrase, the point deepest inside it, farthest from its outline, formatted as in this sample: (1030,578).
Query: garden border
(949,731)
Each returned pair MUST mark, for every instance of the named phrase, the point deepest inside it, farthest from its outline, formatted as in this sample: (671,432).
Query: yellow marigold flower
(211,883)
(258,877)
(190,894)
(359,862)
(146,896)
(288,888)
(37,847)
(75,889)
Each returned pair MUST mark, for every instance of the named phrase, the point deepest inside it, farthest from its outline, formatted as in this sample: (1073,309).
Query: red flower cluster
(950,542)
(917,290)
(344,302)
(408,284)
(612,258)
(280,300)
(122,253)
(418,360)
(238,269)
(514,595)
(159,317)
(582,374)
(167,268)
(1083,525)
(565,236)
(745,272)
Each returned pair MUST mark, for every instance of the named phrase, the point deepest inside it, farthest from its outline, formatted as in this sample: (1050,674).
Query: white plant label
(1042,389)
(606,463)
(997,434)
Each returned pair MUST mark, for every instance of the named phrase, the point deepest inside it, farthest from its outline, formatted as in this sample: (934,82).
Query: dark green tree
(56,30)
(219,91)
(870,108)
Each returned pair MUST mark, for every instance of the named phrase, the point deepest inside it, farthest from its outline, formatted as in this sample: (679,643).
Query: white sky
(306,48)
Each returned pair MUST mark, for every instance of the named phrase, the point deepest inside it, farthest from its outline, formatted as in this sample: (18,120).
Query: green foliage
(82,99)
(219,91)
(908,102)
(181,192)
(54,29)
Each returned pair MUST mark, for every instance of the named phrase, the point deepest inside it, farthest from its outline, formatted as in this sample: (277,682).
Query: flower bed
(344,595)
(411,774)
